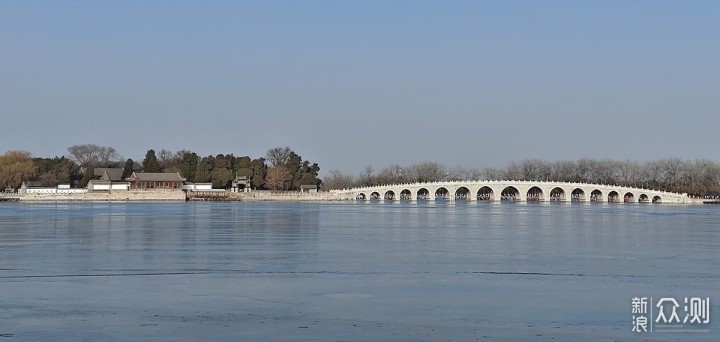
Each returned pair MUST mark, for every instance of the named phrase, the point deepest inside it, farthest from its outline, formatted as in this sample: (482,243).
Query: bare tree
(92,155)
(278,155)
(513,172)
(337,180)
(429,172)
(492,174)
(48,178)
(107,155)
(460,173)
(393,174)
(168,160)
(535,169)
(278,178)
(366,177)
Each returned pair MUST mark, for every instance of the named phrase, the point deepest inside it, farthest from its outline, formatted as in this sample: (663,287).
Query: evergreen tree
(204,170)
(189,165)
(150,163)
(259,172)
(128,168)
(89,174)
(294,166)
(243,166)
(222,173)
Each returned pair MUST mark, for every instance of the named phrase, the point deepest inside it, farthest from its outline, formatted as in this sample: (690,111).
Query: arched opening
(613,197)
(578,195)
(405,195)
(423,194)
(535,194)
(557,195)
(390,195)
(441,194)
(375,196)
(596,196)
(629,197)
(462,194)
(510,194)
(485,194)
(361,197)
(643,198)
(657,199)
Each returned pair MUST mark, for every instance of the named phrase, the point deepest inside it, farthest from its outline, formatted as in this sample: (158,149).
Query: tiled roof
(156,177)
(33,184)
(113,174)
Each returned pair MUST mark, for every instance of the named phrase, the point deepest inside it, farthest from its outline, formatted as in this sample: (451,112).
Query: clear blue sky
(351,83)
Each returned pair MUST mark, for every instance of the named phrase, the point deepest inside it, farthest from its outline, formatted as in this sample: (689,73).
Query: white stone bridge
(523,191)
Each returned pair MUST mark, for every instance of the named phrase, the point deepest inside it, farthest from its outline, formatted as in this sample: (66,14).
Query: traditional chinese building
(108,174)
(107,179)
(155,181)
(31,186)
(240,184)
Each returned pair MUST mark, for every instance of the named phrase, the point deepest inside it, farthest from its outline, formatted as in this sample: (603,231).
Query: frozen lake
(349,271)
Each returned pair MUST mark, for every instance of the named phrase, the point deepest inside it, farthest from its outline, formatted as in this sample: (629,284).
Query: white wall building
(197,186)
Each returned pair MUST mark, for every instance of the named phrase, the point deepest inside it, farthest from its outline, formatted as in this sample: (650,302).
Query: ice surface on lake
(349,271)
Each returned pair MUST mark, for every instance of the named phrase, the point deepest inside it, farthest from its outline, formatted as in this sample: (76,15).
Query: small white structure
(308,189)
(35,188)
(102,185)
(197,186)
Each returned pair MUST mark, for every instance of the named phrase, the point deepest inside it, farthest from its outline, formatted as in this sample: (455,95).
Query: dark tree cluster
(59,170)
(694,177)
(220,170)
(287,170)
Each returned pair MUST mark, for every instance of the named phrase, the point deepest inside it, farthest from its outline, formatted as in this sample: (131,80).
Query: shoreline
(254,197)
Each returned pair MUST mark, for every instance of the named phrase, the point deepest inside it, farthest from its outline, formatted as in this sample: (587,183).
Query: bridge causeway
(516,191)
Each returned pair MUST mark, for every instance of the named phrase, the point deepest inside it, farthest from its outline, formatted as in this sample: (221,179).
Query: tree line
(280,169)
(283,169)
(694,177)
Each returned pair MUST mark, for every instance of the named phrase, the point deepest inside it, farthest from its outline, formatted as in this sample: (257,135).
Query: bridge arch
(557,194)
(389,195)
(628,197)
(657,199)
(462,193)
(510,193)
(423,194)
(361,196)
(613,197)
(485,193)
(578,195)
(596,196)
(442,193)
(534,194)
(643,198)
(405,195)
